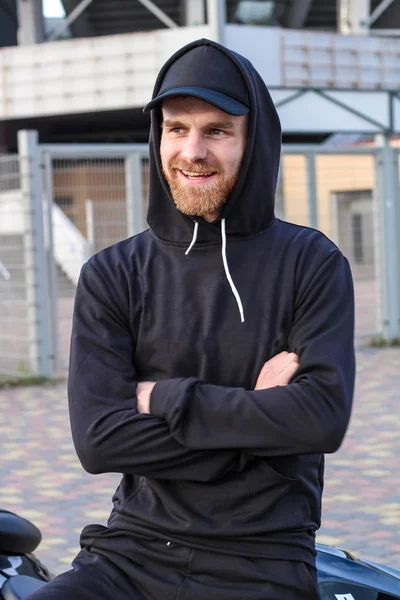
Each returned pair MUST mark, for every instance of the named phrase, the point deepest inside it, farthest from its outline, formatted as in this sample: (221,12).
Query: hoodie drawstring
(225,262)
(192,243)
(227,272)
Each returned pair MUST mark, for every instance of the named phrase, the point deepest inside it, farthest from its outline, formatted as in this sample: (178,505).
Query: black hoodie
(216,465)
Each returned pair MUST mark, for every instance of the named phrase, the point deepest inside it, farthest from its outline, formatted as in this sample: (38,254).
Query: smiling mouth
(194,175)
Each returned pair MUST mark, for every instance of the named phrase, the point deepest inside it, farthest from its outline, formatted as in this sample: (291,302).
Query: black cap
(206,73)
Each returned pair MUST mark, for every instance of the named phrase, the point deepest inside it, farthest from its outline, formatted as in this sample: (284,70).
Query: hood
(250,206)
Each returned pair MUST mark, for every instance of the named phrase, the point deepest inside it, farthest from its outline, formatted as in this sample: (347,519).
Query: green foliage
(9,382)
(381,342)
(22,368)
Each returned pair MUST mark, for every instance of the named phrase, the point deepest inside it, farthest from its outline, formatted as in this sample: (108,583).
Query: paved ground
(43,481)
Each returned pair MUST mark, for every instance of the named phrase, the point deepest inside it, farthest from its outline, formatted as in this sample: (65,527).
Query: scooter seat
(17,535)
(20,586)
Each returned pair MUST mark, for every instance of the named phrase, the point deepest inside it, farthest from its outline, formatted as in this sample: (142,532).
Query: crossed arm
(109,433)
(188,429)
(278,371)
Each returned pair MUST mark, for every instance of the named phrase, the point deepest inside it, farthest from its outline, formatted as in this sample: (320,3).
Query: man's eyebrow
(212,125)
(221,125)
(172,123)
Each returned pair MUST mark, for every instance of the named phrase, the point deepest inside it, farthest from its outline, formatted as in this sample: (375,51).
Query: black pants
(154,569)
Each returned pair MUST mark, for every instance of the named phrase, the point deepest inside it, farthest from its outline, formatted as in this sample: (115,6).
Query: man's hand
(143,393)
(277,371)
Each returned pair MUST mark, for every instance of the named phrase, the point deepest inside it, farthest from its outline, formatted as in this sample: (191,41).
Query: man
(212,361)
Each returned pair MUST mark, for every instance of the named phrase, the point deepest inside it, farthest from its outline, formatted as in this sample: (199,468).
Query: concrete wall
(118,71)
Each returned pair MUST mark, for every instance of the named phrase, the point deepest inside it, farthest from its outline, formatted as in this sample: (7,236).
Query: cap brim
(221,101)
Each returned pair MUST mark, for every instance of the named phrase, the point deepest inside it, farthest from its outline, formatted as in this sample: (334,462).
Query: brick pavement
(43,480)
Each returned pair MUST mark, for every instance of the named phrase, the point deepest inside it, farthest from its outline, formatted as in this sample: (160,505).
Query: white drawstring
(192,243)
(225,262)
(227,273)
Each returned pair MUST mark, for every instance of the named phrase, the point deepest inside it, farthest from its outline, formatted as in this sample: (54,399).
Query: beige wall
(339,173)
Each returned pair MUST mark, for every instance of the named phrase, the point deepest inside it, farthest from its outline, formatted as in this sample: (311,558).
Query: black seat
(20,586)
(17,535)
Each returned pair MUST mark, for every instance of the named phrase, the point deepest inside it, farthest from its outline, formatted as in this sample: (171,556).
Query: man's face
(201,153)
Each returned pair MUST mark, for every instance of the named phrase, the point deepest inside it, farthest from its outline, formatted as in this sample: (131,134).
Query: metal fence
(95,196)
(24,300)
(14,316)
(337,194)
(61,203)
(353,196)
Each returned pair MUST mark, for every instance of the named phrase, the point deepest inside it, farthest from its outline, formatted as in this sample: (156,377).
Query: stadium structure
(332,65)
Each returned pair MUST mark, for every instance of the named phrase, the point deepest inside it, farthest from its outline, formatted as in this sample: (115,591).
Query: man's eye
(177,130)
(217,132)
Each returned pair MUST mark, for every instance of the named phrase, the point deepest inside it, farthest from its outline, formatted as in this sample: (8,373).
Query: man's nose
(194,148)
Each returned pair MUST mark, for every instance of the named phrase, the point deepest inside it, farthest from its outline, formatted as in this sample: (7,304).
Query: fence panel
(14,329)
(92,202)
(347,212)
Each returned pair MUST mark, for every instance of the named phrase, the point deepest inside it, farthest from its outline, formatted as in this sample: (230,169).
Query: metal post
(389,212)
(216,17)
(53,296)
(312,200)
(134,193)
(353,16)
(335,219)
(30,22)
(90,223)
(35,253)
(195,13)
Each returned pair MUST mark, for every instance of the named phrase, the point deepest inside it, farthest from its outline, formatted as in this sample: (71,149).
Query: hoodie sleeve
(108,432)
(311,414)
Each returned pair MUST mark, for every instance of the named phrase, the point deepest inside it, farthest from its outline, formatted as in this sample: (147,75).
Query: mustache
(197,167)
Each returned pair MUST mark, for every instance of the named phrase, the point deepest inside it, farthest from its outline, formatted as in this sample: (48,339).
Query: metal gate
(95,195)
(75,200)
